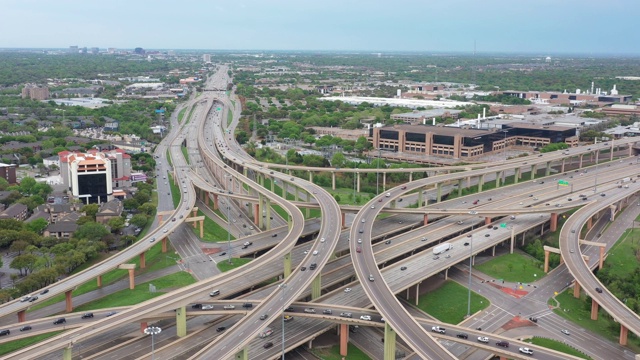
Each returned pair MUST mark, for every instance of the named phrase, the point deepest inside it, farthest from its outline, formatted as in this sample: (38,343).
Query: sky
(533,26)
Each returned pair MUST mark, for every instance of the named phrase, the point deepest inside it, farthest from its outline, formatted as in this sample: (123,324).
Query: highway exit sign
(563,183)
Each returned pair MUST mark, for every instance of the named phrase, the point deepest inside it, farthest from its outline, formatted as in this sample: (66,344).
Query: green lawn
(556,345)
(333,353)
(579,312)
(448,303)
(190,113)
(514,267)
(345,196)
(621,260)
(168,157)
(22,343)
(212,231)
(185,153)
(313,213)
(224,265)
(229,117)
(141,292)
(638,218)
(181,115)
(175,191)
(155,259)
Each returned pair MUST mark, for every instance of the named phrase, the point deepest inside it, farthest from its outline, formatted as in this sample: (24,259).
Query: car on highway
(59,321)
(310,310)
(87,316)
(267,345)
(223,253)
(306,252)
(487,235)
(165,230)
(365,317)
(304,268)
(221,328)
(229,307)
(312,266)
(347,290)
(264,316)
(44,291)
(5,332)
(208,307)
(388,242)
(26,328)
(483,339)
(25,299)
(346,315)
(598,290)
(565,331)
(423,239)
(438,329)
(525,350)
(287,318)
(462,336)
(503,343)
(359,241)
(322,240)
(327,311)
(152,239)
(111,313)
(373,206)
(403,268)
(371,278)
(289,309)
(33,298)
(436,257)
(315,252)
(358,249)
(214,293)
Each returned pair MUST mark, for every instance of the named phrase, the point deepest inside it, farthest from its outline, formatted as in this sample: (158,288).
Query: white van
(214,293)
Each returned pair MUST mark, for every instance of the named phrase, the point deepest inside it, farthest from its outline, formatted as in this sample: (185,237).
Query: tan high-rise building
(35,92)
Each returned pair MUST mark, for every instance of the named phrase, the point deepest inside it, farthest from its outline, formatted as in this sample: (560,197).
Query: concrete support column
(243,354)
(623,335)
(132,279)
(532,172)
(287,265)
(260,209)
(517,175)
(554,222)
(143,262)
(420,198)
(487,220)
(22,316)
(66,353)
(417,293)
(460,183)
(512,242)
(316,287)
(480,182)
(181,321)
(389,343)
(601,260)
(201,231)
(344,218)
(580,161)
(256,212)
(439,196)
(344,339)
(410,176)
(268,218)
(384,181)
(358,182)
(99,280)
(68,301)
(473,260)
(576,289)
(310,176)
(562,166)
(497,179)
(143,325)
(446,273)
(546,261)
(493,251)
(590,223)
(547,171)
(594,309)
(164,243)
(333,180)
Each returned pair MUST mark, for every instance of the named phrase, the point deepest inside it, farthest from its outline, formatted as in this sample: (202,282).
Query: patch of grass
(175,192)
(229,117)
(638,218)
(168,157)
(448,303)
(22,343)
(224,265)
(185,153)
(579,312)
(345,196)
(140,293)
(333,353)
(513,268)
(222,215)
(556,345)
(190,113)
(212,231)
(181,115)
(621,260)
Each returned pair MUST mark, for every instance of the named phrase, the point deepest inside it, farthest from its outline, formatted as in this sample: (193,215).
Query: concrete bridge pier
(624,332)
(594,310)
(242,354)
(576,289)
(344,339)
(181,321)
(389,342)
(287,265)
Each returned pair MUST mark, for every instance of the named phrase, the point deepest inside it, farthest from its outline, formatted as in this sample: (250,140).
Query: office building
(8,172)
(35,92)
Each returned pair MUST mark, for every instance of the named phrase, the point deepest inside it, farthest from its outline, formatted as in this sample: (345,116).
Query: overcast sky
(539,26)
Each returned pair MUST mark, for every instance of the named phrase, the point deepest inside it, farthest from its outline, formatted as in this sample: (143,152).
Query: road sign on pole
(563,183)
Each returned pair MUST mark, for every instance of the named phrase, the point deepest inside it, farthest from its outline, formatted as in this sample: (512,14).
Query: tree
(139,220)
(130,204)
(147,208)
(24,262)
(116,224)
(338,160)
(18,246)
(91,231)
(37,226)
(91,210)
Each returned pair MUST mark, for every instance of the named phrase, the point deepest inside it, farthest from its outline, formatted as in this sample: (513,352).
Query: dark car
(535,320)
(87,316)
(5,332)
(196,306)
(34,298)
(222,254)
(59,321)
(462,336)
(503,343)
(247,305)
(290,309)
(44,291)
(267,345)
(487,235)
(274,235)
(26,328)
(221,328)
(598,290)
(388,242)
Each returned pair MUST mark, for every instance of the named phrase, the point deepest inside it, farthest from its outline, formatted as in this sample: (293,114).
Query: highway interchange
(297,284)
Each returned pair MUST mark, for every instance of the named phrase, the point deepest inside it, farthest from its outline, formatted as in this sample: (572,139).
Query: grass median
(556,345)
(224,266)
(212,231)
(448,303)
(22,343)
(333,353)
(514,267)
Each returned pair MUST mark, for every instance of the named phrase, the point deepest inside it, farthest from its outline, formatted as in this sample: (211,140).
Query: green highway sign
(503,225)
(563,182)
(219,109)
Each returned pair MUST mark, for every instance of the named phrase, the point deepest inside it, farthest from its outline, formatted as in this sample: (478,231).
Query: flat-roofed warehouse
(466,143)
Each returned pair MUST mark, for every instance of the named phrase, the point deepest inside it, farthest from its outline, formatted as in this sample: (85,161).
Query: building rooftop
(440,130)
(427,113)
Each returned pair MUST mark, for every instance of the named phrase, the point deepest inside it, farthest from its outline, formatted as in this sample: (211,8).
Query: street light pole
(153,331)
(378,172)
(283,287)
(229,221)
(470,267)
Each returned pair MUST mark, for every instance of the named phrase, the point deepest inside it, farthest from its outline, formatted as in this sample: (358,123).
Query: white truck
(442,248)
(627,179)
(266,332)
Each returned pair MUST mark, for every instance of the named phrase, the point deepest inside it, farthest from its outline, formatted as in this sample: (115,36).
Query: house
(15,211)
(64,228)
(109,210)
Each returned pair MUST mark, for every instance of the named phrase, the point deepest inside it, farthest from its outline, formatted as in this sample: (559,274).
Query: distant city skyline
(542,26)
